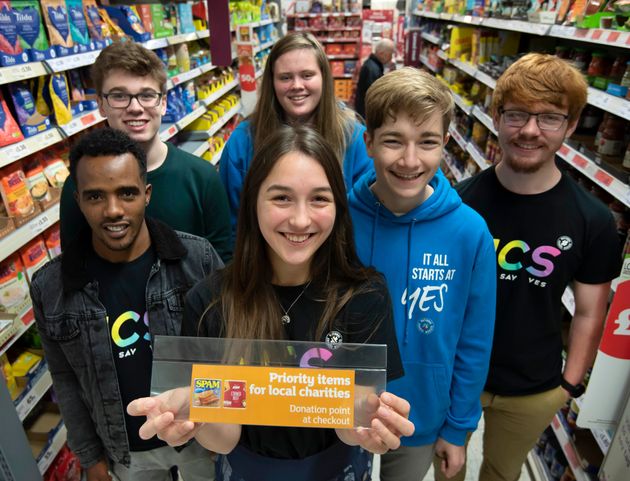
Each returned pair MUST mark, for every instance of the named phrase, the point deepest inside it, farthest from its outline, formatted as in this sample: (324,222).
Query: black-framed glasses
(121,100)
(545,121)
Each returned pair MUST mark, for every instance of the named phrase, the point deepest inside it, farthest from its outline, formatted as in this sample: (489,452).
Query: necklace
(286,319)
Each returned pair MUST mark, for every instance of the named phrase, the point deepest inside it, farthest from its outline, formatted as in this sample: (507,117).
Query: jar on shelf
(563,52)
(611,142)
(581,59)
(598,70)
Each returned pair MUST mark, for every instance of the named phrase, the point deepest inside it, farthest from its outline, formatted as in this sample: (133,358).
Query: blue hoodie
(239,151)
(439,263)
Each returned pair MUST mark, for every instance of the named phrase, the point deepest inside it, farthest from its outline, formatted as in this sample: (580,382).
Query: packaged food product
(77,92)
(129,21)
(182,57)
(117,33)
(185,18)
(144,12)
(58,26)
(55,169)
(31,30)
(99,30)
(10,133)
(79,25)
(41,95)
(60,98)
(11,51)
(33,255)
(162,27)
(7,372)
(52,238)
(26,362)
(17,199)
(36,179)
(31,121)
(14,294)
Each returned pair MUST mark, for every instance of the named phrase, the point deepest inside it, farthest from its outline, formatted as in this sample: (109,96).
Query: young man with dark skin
(548,232)
(98,306)
(188,195)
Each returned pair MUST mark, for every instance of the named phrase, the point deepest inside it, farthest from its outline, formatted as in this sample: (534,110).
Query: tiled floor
(473,464)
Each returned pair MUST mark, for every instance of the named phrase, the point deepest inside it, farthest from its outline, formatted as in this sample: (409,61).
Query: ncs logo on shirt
(516,255)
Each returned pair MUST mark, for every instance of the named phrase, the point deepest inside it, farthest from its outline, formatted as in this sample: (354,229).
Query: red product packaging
(52,239)
(9,130)
(234,394)
(34,255)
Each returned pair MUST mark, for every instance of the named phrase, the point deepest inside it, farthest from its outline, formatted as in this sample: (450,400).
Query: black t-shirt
(366,318)
(121,290)
(543,242)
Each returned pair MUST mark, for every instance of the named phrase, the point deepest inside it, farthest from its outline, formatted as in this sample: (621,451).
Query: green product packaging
(162,27)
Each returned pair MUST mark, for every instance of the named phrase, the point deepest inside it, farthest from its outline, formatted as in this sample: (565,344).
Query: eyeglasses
(119,100)
(545,121)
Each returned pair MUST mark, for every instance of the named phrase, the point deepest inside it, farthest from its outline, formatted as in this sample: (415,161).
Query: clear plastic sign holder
(272,383)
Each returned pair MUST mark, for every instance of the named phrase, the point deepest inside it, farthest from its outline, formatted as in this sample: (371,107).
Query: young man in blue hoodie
(438,258)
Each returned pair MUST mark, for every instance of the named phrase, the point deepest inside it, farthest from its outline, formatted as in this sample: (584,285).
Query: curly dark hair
(106,141)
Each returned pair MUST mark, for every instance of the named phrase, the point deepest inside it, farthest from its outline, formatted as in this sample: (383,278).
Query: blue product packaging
(11,50)
(30,28)
(30,120)
(79,26)
(185,17)
(129,21)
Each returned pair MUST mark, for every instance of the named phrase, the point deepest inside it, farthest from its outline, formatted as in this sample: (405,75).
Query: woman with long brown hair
(297,89)
(294,276)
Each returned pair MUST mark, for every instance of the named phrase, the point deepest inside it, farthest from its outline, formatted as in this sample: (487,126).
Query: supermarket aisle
(474,460)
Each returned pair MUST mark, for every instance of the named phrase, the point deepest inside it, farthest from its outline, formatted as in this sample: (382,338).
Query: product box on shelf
(79,26)
(32,116)
(14,290)
(162,26)
(30,29)
(10,133)
(185,18)
(99,30)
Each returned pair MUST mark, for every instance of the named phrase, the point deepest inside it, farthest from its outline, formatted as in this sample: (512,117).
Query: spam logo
(207,384)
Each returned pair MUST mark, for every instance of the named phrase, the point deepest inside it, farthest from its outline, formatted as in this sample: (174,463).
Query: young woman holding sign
(295,275)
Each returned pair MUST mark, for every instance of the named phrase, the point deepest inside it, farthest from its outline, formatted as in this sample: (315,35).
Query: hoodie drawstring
(407,314)
(374,227)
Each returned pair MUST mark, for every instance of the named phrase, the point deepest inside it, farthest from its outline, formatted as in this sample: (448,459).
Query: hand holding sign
(162,412)
(389,420)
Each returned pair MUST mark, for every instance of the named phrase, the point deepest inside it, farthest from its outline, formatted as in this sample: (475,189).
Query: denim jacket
(75,335)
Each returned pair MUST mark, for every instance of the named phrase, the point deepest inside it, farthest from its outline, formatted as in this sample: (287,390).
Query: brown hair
(538,77)
(248,302)
(407,90)
(330,120)
(130,57)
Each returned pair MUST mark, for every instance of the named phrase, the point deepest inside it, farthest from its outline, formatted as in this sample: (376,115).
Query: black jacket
(371,70)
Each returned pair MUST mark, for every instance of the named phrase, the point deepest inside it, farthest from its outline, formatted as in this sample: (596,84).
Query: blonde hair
(411,91)
(538,77)
(333,122)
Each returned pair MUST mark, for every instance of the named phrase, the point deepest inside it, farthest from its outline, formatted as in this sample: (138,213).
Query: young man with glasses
(548,232)
(188,195)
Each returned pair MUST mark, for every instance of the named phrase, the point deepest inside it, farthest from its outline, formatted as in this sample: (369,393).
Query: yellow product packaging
(57,24)
(461,43)
(202,123)
(116,31)
(7,372)
(38,87)
(60,98)
(182,57)
(25,363)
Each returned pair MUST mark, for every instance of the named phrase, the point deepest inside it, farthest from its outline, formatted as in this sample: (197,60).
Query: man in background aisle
(188,195)
(371,70)
(548,232)
(438,258)
(123,280)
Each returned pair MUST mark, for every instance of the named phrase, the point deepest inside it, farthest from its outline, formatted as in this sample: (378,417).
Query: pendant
(285,319)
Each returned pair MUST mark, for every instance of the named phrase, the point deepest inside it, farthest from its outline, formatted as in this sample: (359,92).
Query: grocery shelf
(337,40)
(343,75)
(459,175)
(464,67)
(462,104)
(342,57)
(217,156)
(22,71)
(186,76)
(224,119)
(29,146)
(27,320)
(591,170)
(220,93)
(484,118)
(34,392)
(469,19)
(327,14)
(265,45)
(83,122)
(36,69)
(338,29)
(457,137)
(30,230)
(539,469)
(432,38)
(615,105)
(46,457)
(601,36)
(477,155)
(69,62)
(425,62)
(191,117)
(568,449)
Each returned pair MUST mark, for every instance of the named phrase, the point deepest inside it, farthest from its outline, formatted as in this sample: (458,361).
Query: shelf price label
(613,37)
(603,177)
(88,119)
(580,161)
(38,225)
